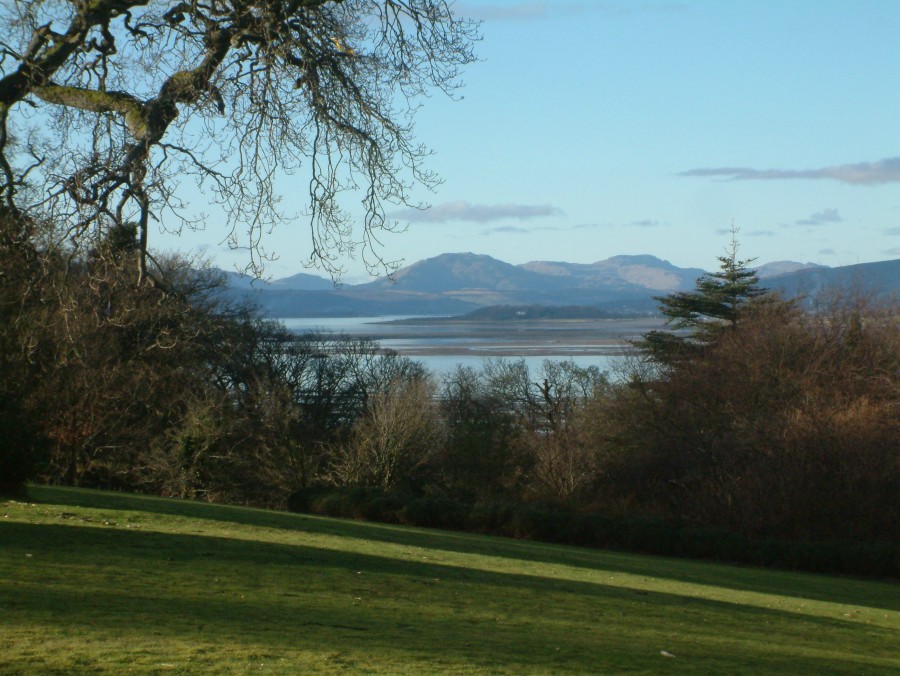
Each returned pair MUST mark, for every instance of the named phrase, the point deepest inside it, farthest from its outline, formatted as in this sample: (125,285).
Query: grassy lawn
(102,582)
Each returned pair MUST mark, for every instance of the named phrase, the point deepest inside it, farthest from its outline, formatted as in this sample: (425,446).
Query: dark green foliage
(479,457)
(22,273)
(21,444)
(699,317)
(651,535)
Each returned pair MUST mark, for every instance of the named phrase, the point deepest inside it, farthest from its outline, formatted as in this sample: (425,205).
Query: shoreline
(553,339)
(562,351)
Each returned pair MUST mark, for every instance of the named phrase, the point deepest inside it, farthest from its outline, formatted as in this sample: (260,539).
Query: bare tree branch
(244,91)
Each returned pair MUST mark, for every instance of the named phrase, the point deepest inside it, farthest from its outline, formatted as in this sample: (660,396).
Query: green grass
(102,582)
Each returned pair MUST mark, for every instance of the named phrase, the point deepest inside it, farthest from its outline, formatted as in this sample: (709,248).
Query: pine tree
(697,318)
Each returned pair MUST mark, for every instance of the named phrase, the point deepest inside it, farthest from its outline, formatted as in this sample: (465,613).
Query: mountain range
(459,283)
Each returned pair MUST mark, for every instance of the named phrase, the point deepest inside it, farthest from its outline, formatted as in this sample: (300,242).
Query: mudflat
(550,337)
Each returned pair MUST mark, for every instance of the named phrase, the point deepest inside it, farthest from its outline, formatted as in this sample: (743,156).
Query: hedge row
(636,534)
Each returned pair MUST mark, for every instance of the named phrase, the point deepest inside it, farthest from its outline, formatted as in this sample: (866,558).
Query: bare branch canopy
(106,106)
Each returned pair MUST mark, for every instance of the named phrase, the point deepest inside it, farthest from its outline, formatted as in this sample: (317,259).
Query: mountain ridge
(458,283)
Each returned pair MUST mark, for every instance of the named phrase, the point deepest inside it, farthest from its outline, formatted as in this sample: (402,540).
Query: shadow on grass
(168,589)
(883,595)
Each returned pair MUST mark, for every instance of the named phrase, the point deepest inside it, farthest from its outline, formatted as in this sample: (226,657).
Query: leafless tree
(107,105)
(393,441)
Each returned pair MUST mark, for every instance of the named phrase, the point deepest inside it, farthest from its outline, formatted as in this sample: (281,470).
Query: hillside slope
(880,278)
(95,582)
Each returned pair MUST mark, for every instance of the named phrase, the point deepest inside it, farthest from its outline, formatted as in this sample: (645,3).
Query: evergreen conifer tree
(696,318)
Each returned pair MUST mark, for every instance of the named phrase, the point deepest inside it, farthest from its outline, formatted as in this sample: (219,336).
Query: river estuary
(441,343)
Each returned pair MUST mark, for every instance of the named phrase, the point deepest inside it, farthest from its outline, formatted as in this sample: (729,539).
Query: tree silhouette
(106,105)
(697,318)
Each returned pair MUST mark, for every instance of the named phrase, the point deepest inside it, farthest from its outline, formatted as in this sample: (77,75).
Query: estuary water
(443,343)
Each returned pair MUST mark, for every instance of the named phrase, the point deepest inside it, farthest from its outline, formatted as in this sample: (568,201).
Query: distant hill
(460,272)
(353,302)
(460,283)
(778,268)
(239,282)
(882,277)
(303,281)
(622,272)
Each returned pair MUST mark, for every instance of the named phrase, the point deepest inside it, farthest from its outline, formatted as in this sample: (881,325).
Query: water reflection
(444,344)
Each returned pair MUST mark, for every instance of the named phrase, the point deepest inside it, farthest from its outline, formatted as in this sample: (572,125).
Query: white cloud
(822,217)
(478,213)
(591,226)
(508,230)
(861,173)
(827,252)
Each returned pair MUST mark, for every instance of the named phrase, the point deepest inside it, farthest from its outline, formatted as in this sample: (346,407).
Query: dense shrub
(24,277)
(435,511)
(482,451)
(163,387)
(786,428)
(21,446)
(636,533)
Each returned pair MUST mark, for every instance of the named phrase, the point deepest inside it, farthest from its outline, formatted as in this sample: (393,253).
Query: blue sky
(596,128)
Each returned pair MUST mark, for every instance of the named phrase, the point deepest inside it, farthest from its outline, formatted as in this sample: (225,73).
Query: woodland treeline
(755,416)
(125,369)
